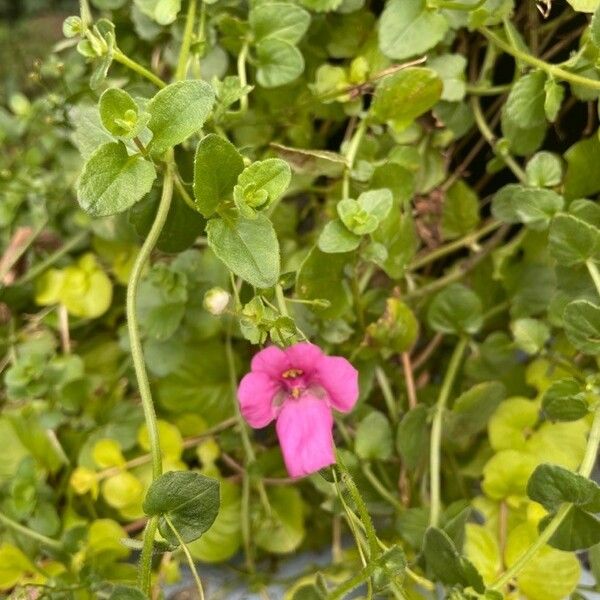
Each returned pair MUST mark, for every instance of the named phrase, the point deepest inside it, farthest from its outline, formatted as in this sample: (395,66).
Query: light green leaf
(404,96)
(164,12)
(374,437)
(533,206)
(451,70)
(119,113)
(188,499)
(178,111)
(336,238)
(506,474)
(530,334)
(410,28)
(14,566)
(261,184)
(321,5)
(544,169)
(456,309)
(587,6)
(555,94)
(249,248)
(278,63)
(112,181)
(510,423)
(282,20)
(377,203)
(582,177)
(217,165)
(460,211)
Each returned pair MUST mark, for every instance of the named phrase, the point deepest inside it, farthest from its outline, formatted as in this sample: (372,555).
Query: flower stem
(585,470)
(436,430)
(186,43)
(188,556)
(137,356)
(241,69)
(30,533)
(137,68)
(553,70)
(388,394)
(351,156)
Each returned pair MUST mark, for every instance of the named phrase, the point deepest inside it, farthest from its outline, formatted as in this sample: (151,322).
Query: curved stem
(184,53)
(241,69)
(436,430)
(351,155)
(553,70)
(137,356)
(30,533)
(139,69)
(188,557)
(585,470)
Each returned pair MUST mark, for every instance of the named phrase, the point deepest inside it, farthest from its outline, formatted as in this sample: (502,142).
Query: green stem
(184,193)
(553,70)
(188,557)
(594,273)
(184,53)
(281,300)
(145,574)
(381,489)
(43,266)
(21,250)
(488,134)
(34,535)
(388,394)
(139,69)
(585,470)
(467,240)
(137,356)
(241,69)
(436,430)
(488,90)
(351,156)
(361,507)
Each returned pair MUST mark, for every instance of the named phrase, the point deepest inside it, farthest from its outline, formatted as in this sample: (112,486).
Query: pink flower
(299,387)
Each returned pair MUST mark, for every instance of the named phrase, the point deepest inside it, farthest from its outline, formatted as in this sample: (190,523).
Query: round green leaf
(457,309)
(278,62)
(582,326)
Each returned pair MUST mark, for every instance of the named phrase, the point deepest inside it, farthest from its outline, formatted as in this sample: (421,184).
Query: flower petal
(304,356)
(271,360)
(304,428)
(340,380)
(255,394)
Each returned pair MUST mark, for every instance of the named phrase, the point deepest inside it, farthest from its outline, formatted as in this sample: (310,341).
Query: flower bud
(216,301)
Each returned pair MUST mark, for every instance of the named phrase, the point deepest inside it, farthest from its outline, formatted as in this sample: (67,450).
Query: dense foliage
(411,185)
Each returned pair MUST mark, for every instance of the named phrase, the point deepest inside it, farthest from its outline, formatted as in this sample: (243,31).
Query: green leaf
(587,6)
(190,500)
(578,530)
(555,94)
(249,248)
(178,111)
(397,329)
(506,474)
(112,181)
(119,113)
(164,12)
(14,566)
(224,538)
(314,279)
(565,400)
(544,169)
(551,486)
(122,490)
(377,203)
(374,437)
(261,184)
(472,410)
(355,218)
(125,592)
(525,102)
(278,63)
(572,241)
(283,530)
(456,309)
(530,334)
(535,207)
(217,165)
(412,437)
(582,326)
(460,211)
(336,238)
(582,177)
(595,26)
(406,95)
(282,20)
(447,564)
(410,28)
(321,5)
